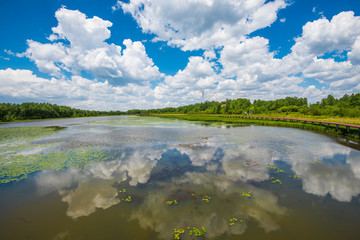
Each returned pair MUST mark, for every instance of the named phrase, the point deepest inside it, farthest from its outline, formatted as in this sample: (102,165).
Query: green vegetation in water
(170,202)
(277,170)
(248,194)
(233,220)
(127,199)
(17,167)
(191,231)
(206,199)
(21,157)
(26,133)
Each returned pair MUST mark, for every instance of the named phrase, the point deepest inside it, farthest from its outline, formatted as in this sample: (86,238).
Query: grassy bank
(353,134)
(347,120)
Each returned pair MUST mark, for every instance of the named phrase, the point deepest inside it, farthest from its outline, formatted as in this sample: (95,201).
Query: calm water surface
(149,178)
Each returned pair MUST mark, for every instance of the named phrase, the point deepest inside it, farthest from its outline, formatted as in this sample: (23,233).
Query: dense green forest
(347,106)
(24,111)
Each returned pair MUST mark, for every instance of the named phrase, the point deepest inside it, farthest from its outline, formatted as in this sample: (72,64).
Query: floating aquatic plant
(206,199)
(177,233)
(128,199)
(277,180)
(232,221)
(248,194)
(17,167)
(170,202)
(192,231)
(272,167)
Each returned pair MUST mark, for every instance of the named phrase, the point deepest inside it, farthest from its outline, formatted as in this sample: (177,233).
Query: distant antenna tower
(202,93)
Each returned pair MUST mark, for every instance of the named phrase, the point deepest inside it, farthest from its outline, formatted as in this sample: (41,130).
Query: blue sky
(157,53)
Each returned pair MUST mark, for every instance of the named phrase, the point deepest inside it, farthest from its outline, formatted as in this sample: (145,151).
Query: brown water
(141,178)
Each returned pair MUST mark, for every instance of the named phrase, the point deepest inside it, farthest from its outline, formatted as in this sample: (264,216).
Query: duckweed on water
(192,231)
(206,199)
(177,233)
(277,170)
(128,199)
(171,202)
(248,194)
(235,220)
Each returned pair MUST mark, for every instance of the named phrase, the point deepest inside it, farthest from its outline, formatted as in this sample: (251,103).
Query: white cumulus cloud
(75,92)
(87,51)
(202,24)
(232,64)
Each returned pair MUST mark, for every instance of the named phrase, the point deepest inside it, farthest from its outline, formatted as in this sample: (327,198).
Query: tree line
(346,106)
(30,110)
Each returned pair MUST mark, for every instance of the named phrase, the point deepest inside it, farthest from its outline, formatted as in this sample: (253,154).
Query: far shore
(350,133)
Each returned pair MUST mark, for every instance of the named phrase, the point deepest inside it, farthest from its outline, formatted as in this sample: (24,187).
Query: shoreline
(349,134)
(342,134)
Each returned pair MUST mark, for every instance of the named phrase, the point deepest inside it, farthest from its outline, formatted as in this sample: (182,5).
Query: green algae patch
(26,133)
(20,155)
(17,167)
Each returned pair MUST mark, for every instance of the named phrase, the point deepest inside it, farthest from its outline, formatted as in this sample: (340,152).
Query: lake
(148,178)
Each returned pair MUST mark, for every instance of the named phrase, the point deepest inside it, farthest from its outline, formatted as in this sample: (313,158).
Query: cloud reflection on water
(88,196)
(227,201)
(223,166)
